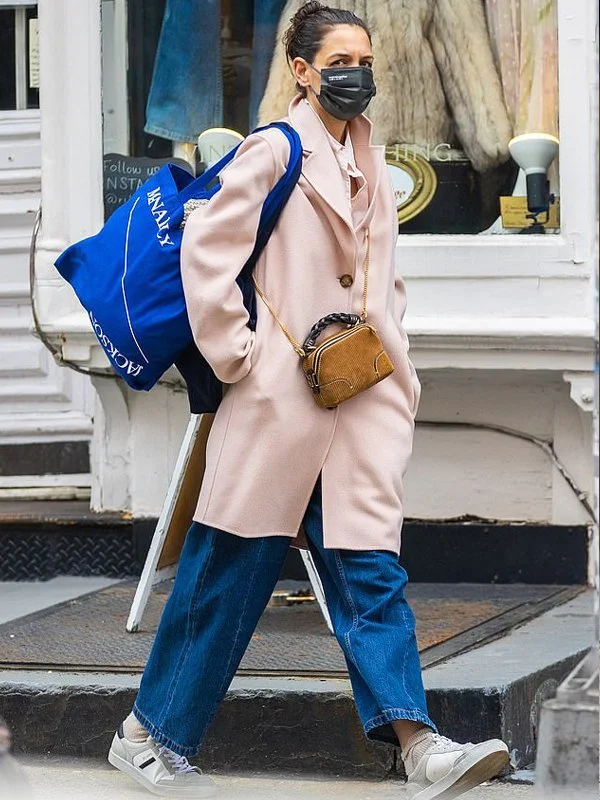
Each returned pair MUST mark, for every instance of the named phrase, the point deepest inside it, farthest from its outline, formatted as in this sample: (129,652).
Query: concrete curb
(300,724)
(568,751)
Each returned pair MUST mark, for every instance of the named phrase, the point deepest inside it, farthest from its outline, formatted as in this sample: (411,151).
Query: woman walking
(276,460)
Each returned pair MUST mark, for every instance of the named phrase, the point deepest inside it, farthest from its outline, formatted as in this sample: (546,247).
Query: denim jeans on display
(266,19)
(186,94)
(222,586)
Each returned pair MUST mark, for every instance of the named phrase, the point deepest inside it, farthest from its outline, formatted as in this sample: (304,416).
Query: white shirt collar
(344,149)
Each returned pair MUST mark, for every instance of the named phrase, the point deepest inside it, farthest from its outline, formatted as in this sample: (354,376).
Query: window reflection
(456,81)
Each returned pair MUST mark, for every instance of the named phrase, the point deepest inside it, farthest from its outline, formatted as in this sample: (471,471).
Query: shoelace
(180,763)
(445,744)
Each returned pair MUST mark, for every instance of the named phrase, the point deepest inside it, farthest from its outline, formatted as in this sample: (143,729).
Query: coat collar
(320,167)
(313,132)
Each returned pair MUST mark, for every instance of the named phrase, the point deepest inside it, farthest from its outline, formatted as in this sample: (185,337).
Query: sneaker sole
(472,771)
(123,765)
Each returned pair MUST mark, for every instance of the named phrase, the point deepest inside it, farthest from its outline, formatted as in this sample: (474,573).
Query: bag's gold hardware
(346,281)
(347,363)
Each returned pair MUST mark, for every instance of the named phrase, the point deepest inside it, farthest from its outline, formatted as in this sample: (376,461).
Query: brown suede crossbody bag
(347,362)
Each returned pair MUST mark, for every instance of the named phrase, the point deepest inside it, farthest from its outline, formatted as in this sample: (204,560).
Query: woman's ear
(301,72)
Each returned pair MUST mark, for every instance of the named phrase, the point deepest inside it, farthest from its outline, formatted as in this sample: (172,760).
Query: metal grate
(89,633)
(42,556)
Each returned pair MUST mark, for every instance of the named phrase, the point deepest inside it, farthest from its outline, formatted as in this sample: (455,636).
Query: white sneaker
(159,769)
(448,769)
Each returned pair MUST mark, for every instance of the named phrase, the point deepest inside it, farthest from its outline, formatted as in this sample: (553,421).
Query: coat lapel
(321,179)
(321,171)
(323,182)
(370,160)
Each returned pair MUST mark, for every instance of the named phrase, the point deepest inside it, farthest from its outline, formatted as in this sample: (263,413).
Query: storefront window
(456,82)
(19,77)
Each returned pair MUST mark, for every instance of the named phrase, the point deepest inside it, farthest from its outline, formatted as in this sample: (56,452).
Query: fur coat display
(436,78)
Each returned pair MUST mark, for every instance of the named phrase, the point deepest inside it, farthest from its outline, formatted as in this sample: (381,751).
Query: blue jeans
(222,586)
(186,94)
(266,20)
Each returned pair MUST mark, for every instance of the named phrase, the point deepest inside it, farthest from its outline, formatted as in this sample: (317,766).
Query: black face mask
(345,91)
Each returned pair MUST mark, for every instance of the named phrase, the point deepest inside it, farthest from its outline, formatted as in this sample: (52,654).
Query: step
(308,724)
(42,539)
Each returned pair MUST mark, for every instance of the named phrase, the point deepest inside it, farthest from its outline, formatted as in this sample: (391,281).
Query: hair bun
(305,11)
(312,7)
(310,24)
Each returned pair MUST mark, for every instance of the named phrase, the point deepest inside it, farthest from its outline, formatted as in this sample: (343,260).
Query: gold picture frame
(415,187)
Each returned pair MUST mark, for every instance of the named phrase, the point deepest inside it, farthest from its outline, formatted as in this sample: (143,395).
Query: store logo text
(160,215)
(112,352)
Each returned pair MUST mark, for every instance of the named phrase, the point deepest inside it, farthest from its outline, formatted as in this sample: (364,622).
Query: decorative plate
(414,181)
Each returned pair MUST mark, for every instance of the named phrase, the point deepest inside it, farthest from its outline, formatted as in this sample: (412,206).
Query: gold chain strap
(366,281)
(298,347)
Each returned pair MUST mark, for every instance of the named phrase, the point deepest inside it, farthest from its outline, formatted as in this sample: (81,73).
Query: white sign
(34,55)
(403,184)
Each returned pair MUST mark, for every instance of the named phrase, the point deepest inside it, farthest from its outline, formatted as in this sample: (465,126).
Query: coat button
(346,281)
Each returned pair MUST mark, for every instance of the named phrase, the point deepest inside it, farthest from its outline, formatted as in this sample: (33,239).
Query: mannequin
(436,78)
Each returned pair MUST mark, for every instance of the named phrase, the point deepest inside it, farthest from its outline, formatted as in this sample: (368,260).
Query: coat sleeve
(463,54)
(218,239)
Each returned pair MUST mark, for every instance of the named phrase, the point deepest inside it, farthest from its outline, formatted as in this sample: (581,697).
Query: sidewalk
(83,779)
(304,722)
(20,598)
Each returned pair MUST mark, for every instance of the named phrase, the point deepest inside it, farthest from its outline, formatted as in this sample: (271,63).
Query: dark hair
(308,27)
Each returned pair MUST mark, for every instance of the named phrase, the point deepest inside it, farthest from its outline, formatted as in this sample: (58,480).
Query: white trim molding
(45,493)
(582,389)
(501,343)
(71,110)
(20,164)
(80,480)
(43,426)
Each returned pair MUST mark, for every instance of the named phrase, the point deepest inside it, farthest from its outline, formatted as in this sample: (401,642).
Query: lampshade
(214,143)
(534,152)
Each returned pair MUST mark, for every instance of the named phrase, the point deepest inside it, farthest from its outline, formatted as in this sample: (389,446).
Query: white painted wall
(137,436)
(38,400)
(493,475)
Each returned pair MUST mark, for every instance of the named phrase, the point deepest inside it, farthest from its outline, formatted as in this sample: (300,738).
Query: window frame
(562,254)
(20,7)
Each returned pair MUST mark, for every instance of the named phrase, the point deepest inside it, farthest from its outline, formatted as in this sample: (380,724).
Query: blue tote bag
(127,276)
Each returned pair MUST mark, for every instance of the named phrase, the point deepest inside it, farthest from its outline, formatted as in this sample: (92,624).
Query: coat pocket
(416,387)
(400,355)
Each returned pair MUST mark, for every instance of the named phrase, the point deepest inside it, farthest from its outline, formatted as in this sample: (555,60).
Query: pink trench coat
(269,440)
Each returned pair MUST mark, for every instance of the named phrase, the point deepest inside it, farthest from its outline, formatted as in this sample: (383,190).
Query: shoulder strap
(279,195)
(275,200)
(197,187)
